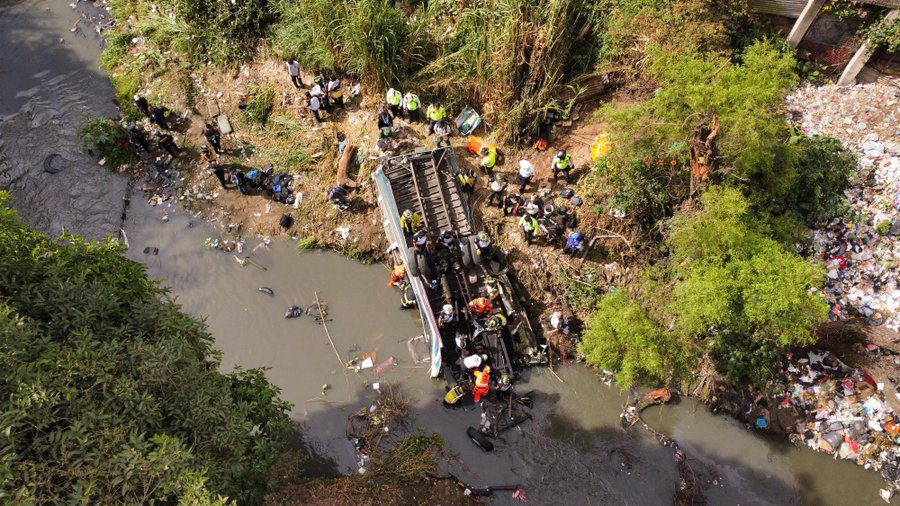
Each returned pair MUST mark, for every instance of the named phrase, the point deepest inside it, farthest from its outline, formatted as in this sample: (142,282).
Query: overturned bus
(451,268)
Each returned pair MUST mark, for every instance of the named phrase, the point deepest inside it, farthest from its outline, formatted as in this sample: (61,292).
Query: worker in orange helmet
(481,306)
(398,275)
(482,382)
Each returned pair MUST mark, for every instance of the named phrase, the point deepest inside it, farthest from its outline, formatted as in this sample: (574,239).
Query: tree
(110,393)
(622,338)
(733,283)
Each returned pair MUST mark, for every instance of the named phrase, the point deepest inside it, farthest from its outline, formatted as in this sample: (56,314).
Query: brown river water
(573,451)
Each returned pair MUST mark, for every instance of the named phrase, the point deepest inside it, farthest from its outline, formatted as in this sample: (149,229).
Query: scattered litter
(385,366)
(151,250)
(343,231)
(325,387)
(830,407)
(862,256)
(267,290)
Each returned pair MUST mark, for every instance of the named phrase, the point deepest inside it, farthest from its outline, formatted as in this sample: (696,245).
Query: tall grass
(369,38)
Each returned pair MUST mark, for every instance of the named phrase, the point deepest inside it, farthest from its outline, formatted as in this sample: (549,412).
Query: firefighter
(482,383)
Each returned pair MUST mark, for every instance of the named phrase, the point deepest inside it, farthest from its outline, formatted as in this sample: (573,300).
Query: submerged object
(266,290)
(480,439)
(293,312)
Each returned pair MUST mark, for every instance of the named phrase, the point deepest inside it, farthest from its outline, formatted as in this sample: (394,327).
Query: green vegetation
(307,243)
(218,32)
(117,46)
(622,338)
(103,138)
(110,393)
(648,172)
(816,194)
(726,287)
(259,106)
(126,86)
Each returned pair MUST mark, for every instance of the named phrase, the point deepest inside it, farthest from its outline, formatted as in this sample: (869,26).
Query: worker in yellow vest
(394,99)
(488,159)
(412,105)
(562,162)
(529,227)
(435,113)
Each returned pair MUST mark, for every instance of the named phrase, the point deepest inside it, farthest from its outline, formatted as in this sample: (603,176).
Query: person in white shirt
(526,173)
(293,67)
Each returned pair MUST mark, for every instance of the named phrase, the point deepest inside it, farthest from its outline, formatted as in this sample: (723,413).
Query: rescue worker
(496,322)
(497,185)
(562,162)
(574,244)
(569,220)
(511,204)
(410,221)
(435,113)
(167,142)
(238,179)
(483,241)
(420,240)
(412,105)
(218,171)
(529,227)
(338,197)
(442,133)
(158,116)
(482,383)
(137,137)
(398,275)
(488,159)
(213,136)
(394,99)
(335,91)
(142,105)
(467,179)
(447,318)
(447,239)
(408,296)
(385,124)
(526,173)
(481,306)
(314,102)
(293,67)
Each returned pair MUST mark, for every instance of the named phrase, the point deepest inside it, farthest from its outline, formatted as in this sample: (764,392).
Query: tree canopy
(110,393)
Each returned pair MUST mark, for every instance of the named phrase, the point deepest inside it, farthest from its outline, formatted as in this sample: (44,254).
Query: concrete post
(801,26)
(862,56)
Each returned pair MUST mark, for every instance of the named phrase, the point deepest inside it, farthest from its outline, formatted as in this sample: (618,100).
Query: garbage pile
(830,407)
(861,254)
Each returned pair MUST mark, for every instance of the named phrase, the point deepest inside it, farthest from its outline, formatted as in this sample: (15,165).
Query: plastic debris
(862,256)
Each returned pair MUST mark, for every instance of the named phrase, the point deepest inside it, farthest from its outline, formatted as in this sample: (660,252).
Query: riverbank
(552,281)
(576,453)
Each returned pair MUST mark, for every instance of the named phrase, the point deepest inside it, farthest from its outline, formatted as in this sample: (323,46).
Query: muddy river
(573,451)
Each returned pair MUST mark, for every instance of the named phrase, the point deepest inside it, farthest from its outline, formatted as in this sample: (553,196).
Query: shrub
(110,393)
(816,194)
(621,337)
(307,243)
(101,137)
(733,283)
(746,96)
(117,46)
(126,85)
(219,32)
(259,106)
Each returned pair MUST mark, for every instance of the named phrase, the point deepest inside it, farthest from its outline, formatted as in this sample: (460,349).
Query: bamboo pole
(331,341)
